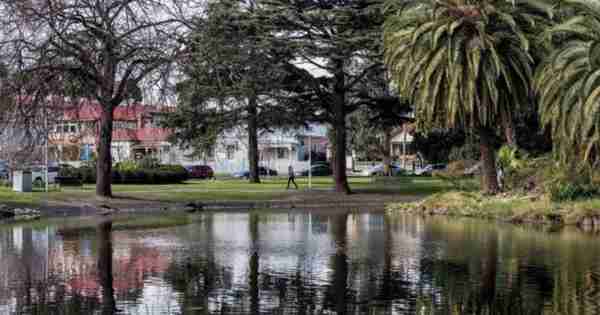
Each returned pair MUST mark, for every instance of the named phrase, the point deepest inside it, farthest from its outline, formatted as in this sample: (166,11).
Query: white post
(403,147)
(46,135)
(309,161)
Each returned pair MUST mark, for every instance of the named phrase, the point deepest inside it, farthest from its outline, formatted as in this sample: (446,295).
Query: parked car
(473,170)
(200,171)
(317,170)
(378,170)
(428,169)
(38,176)
(262,171)
(4,171)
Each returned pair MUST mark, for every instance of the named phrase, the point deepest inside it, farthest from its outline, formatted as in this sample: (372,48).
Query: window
(85,152)
(157,120)
(230,152)
(67,128)
(124,124)
(282,153)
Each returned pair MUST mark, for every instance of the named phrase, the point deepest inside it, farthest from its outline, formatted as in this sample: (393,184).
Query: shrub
(468,151)
(148,162)
(166,174)
(87,174)
(455,174)
(126,166)
(568,191)
(67,171)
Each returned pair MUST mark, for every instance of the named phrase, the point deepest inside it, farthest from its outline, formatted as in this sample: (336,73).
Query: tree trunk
(104,161)
(387,158)
(509,128)
(489,180)
(339,125)
(254,175)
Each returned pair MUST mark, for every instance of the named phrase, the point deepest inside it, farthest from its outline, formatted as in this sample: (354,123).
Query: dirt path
(316,199)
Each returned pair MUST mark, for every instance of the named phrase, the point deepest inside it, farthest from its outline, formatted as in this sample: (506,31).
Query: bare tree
(96,47)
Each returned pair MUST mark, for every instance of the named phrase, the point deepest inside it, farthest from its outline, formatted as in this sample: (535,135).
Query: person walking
(291,177)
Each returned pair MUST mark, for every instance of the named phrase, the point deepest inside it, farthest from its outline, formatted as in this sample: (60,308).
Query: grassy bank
(514,208)
(225,190)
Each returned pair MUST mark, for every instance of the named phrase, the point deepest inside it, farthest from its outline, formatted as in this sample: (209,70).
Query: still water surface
(298,263)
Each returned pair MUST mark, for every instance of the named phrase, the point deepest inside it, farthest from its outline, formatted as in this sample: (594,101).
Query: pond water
(295,263)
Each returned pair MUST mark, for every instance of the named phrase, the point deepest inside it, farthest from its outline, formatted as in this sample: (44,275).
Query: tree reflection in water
(299,263)
(254,266)
(339,283)
(105,267)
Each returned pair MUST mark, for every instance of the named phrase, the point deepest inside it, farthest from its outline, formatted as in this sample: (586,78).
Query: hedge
(164,174)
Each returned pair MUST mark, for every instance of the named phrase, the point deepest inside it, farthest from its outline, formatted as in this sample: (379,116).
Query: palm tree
(568,83)
(464,64)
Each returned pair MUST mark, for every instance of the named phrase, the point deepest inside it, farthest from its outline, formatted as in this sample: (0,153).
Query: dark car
(318,170)
(4,173)
(200,171)
(262,171)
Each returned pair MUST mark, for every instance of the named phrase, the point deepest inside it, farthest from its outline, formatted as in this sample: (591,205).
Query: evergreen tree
(337,45)
(233,73)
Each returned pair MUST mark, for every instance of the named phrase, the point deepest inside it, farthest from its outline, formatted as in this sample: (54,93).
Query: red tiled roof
(141,134)
(92,111)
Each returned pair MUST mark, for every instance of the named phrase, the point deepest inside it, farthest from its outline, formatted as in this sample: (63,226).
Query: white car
(377,170)
(38,176)
(428,169)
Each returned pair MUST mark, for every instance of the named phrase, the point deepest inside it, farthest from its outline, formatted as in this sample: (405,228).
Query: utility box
(22,181)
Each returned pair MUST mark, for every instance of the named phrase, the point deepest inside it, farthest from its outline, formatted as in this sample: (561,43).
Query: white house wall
(121,151)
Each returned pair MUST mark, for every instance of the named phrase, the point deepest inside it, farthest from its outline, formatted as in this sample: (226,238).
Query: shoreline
(515,209)
(315,200)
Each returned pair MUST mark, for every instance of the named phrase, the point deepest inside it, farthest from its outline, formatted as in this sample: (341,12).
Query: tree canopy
(463,64)
(568,83)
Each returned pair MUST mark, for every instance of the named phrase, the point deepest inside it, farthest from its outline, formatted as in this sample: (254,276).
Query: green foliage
(133,173)
(67,171)
(232,77)
(148,162)
(455,175)
(436,145)
(568,83)
(468,151)
(470,61)
(127,166)
(463,64)
(87,174)
(567,183)
(508,158)
(561,191)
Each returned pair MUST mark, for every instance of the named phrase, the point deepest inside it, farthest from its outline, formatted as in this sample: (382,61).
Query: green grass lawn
(9,197)
(231,189)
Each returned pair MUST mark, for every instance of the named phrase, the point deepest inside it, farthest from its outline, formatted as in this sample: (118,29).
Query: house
(402,151)
(277,150)
(137,133)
